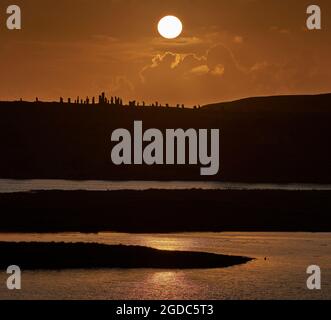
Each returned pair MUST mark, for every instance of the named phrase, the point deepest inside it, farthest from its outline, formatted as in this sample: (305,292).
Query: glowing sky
(228,50)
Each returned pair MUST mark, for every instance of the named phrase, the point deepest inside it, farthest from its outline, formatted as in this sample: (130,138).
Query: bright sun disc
(170,27)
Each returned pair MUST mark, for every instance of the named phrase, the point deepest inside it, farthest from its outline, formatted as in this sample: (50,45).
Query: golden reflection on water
(163,277)
(165,243)
(169,284)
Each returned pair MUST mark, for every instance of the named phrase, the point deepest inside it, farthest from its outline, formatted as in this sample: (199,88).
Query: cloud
(218,70)
(188,77)
(200,70)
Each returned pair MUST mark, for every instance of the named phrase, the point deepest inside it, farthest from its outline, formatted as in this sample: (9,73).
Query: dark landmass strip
(56,256)
(166,211)
(271,139)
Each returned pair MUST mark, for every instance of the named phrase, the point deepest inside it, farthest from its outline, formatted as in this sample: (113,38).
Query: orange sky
(228,50)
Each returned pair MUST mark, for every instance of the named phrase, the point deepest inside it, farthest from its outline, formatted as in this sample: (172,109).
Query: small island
(61,256)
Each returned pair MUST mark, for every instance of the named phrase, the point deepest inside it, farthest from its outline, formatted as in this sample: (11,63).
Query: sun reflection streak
(167,243)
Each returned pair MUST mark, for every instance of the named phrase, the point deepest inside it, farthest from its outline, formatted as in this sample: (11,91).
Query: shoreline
(13,186)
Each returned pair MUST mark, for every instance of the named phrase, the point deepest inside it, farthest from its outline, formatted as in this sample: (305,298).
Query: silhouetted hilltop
(288,104)
(268,139)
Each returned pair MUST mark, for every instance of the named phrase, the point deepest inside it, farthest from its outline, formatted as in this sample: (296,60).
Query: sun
(170,27)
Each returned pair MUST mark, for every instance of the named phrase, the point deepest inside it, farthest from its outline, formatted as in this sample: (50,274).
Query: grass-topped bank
(163,211)
(57,256)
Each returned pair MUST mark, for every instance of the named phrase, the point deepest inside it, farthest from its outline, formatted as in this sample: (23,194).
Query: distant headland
(57,256)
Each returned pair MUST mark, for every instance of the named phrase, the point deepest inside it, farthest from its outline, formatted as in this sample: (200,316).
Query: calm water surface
(281,276)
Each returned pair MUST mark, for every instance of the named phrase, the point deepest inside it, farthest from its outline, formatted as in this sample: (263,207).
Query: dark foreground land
(54,256)
(267,139)
(155,211)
